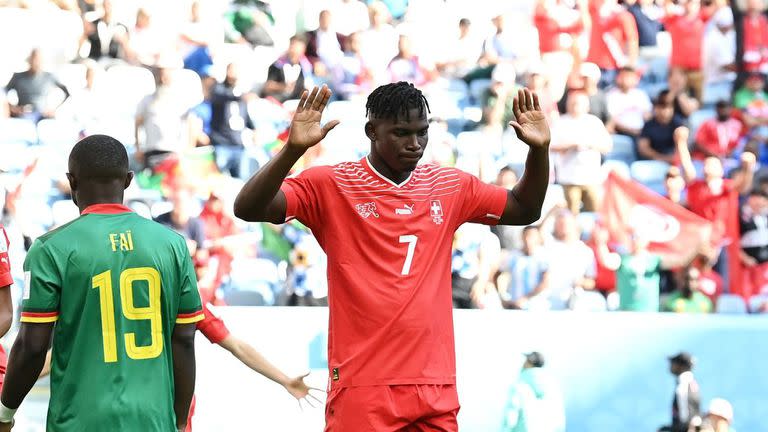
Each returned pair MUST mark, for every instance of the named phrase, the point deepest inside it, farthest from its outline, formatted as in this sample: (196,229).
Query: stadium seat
(589,301)
(650,173)
(618,166)
(120,98)
(187,84)
(731,304)
(477,89)
(64,211)
(697,118)
(587,221)
(623,149)
(17,131)
(72,75)
(470,143)
(120,127)
(613,301)
(756,302)
(254,276)
(59,134)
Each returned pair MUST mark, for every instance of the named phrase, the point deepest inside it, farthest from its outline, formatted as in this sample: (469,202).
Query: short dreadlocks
(394,100)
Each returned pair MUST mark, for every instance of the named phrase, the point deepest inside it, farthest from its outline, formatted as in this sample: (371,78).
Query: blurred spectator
(686,402)
(647,16)
(718,137)
(34,90)
(201,115)
(250,21)
(508,45)
(510,236)
(442,144)
(637,273)
(220,231)
(755,37)
(354,15)
(710,283)
(687,298)
(291,74)
(106,37)
(196,36)
(613,40)
(146,41)
(306,284)
(83,107)
(588,79)
(379,42)
(498,98)
(754,228)
(461,54)
(527,270)
(719,416)
(574,261)
(752,100)
(674,184)
(354,76)
(474,263)
(579,139)
(229,118)
(662,134)
(324,45)
(605,278)
(182,220)
(678,94)
(686,28)
(535,401)
(559,27)
(628,106)
(407,66)
(161,121)
(719,63)
(537,81)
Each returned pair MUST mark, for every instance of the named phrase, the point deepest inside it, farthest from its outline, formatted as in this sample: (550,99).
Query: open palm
(301,391)
(306,130)
(531,124)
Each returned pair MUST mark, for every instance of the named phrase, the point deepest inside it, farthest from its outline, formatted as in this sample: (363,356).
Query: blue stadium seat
(650,173)
(477,89)
(17,131)
(253,276)
(57,133)
(587,221)
(619,166)
(731,304)
(756,302)
(623,149)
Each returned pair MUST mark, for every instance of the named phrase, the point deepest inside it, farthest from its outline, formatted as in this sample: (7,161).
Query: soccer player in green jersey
(122,293)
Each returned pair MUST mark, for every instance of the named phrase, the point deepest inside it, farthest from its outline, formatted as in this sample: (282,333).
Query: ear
(128,179)
(72,183)
(370,131)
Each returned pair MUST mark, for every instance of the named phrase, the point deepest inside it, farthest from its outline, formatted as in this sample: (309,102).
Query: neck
(84,203)
(378,163)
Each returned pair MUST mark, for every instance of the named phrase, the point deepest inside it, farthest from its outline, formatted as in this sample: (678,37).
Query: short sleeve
(645,132)
(303,196)
(212,327)
(190,309)
(480,202)
(5,261)
(42,285)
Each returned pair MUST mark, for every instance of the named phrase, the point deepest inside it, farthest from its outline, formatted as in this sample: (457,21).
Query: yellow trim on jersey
(189,320)
(34,319)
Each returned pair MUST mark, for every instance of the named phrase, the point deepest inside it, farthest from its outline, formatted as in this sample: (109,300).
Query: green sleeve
(190,308)
(42,285)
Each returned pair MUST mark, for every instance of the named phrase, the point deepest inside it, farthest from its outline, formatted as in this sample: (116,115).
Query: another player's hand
(301,391)
(531,124)
(306,130)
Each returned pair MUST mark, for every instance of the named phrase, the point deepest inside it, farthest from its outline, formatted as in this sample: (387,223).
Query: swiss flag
(672,230)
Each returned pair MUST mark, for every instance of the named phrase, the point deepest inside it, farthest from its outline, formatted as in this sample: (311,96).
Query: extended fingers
(516,105)
(317,102)
(528,99)
(302,101)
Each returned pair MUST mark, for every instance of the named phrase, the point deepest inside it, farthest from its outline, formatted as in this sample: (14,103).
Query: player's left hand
(530,123)
(301,391)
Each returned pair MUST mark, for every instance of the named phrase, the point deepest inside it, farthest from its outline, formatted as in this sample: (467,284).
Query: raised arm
(261,200)
(524,201)
(24,366)
(183,343)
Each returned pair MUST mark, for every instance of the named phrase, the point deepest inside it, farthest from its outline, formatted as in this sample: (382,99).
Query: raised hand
(306,130)
(301,391)
(531,124)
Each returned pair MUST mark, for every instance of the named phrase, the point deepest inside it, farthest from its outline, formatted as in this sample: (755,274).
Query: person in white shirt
(579,139)
(719,62)
(379,43)
(354,16)
(461,55)
(517,43)
(628,106)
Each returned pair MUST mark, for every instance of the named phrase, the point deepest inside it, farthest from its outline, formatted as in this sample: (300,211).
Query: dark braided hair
(394,100)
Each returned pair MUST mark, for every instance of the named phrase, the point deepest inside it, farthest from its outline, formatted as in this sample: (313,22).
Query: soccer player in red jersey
(387,225)
(6,304)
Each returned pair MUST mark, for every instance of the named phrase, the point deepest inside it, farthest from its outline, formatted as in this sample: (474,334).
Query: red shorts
(407,408)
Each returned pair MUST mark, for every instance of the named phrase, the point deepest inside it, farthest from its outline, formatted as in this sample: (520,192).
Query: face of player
(399,144)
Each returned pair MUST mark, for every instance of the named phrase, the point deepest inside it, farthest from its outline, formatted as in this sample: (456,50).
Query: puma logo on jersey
(367,209)
(406,210)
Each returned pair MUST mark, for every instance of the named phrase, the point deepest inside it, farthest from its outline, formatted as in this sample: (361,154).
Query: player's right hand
(306,130)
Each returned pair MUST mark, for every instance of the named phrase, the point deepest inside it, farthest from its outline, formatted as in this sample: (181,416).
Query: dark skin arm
(524,201)
(26,361)
(183,342)
(261,200)
(6,310)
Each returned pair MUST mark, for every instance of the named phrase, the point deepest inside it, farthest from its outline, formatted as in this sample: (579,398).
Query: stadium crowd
(667,94)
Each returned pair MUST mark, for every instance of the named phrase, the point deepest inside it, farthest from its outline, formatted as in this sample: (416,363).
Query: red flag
(673,231)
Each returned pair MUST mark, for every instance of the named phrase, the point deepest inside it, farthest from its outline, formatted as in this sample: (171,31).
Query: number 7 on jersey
(411,240)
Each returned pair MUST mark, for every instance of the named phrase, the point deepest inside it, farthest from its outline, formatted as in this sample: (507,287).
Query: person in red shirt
(718,137)
(613,39)
(6,303)
(755,37)
(386,224)
(687,32)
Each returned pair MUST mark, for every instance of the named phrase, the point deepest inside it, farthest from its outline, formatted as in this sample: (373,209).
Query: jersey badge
(367,209)
(436,210)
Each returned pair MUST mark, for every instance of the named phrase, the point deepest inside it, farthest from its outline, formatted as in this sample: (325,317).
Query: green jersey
(116,284)
(637,281)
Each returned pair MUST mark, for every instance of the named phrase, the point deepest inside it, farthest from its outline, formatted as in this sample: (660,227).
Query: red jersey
(686,33)
(720,138)
(389,265)
(719,208)
(212,327)
(755,36)
(5,281)
(619,26)
(550,31)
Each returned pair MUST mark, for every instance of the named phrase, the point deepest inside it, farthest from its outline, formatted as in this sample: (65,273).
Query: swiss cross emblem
(367,209)
(436,211)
